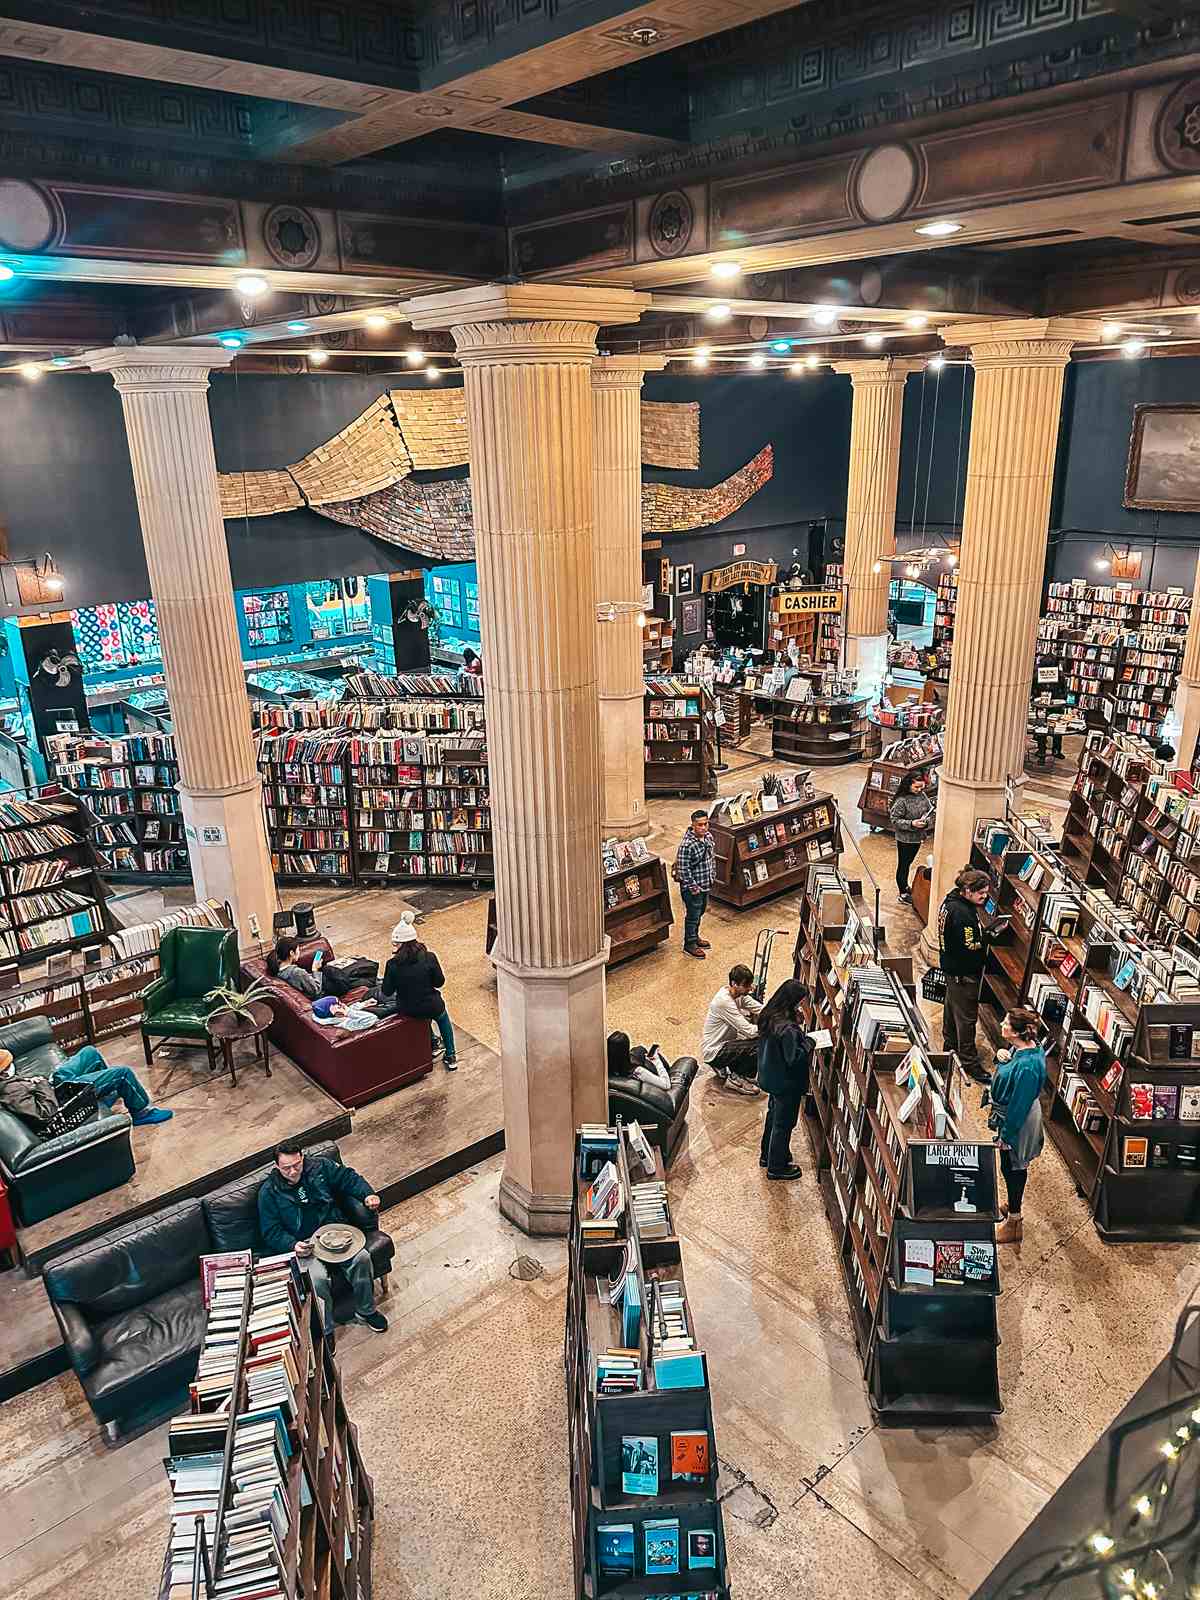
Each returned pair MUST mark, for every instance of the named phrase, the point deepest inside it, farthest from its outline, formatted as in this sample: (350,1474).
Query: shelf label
(808,602)
(952,1155)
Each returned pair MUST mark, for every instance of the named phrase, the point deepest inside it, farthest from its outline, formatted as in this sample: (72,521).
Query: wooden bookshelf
(822,732)
(421,808)
(919,753)
(829,630)
(680,738)
(891,1184)
(130,785)
(306,801)
(604,1516)
(637,922)
(945,608)
(738,709)
(785,627)
(785,841)
(658,646)
(52,897)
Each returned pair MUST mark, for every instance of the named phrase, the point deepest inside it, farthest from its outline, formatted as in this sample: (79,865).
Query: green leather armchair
(193,961)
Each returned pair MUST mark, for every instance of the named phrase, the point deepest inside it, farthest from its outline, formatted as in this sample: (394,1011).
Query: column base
(1187,713)
(554,1074)
(960,807)
(867,653)
(236,864)
(622,755)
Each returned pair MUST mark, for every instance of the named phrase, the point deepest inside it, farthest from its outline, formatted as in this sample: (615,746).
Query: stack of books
(271,1364)
(255,1524)
(649,1202)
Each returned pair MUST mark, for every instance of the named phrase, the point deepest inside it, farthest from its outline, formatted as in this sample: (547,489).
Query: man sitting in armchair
(300,1195)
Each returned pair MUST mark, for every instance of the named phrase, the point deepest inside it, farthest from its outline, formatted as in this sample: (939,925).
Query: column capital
(158,368)
(499,303)
(625,372)
(1024,341)
(881,369)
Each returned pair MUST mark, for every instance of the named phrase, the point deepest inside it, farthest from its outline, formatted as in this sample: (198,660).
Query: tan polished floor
(461,1409)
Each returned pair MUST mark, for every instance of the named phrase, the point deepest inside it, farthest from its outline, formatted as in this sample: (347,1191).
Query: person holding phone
(962,941)
(911,813)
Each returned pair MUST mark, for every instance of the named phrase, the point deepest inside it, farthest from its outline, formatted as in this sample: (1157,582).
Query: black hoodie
(961,939)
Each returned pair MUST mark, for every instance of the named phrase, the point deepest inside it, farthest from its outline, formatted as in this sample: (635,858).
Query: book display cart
(130,785)
(658,646)
(766,842)
(681,738)
(913,1207)
(646,1517)
(920,753)
(51,895)
(637,899)
(737,707)
(266,1462)
(823,731)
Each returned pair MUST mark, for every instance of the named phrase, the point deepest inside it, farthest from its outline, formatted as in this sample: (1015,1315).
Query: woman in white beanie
(412,982)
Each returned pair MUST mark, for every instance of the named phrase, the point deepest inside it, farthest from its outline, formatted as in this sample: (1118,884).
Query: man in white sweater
(729,1044)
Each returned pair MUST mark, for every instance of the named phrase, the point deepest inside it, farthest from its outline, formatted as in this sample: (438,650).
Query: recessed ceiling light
(297,327)
(873,341)
(251,284)
(231,341)
(939,230)
(1133,348)
(798,369)
(726,269)
(30,369)
(413,356)
(811,361)
(318,356)
(825,316)
(917,320)
(377,320)
(433,372)
(700,359)
(719,312)
(6,274)
(936,364)
(757,360)
(1109,330)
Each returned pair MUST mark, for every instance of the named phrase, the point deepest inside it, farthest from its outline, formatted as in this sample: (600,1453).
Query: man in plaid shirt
(696,872)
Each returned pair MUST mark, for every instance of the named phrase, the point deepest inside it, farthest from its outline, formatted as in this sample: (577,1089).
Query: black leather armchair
(661,1113)
(130,1307)
(46,1176)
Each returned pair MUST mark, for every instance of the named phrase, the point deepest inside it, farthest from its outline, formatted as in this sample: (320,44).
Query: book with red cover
(1141,1101)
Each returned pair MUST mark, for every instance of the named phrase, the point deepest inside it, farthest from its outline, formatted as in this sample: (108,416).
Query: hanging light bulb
(758,361)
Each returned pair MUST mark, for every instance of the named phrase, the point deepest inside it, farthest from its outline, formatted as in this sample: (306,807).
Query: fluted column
(164,394)
(617,474)
(527,353)
(1019,371)
(1187,696)
(876,414)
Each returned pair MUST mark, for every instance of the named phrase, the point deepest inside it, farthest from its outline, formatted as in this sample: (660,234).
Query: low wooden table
(227,1028)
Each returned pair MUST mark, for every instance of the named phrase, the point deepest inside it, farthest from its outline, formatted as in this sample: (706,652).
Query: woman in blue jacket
(1017,1111)
(783,1056)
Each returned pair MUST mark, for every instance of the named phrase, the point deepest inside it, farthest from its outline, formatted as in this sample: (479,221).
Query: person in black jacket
(412,982)
(784,1051)
(962,941)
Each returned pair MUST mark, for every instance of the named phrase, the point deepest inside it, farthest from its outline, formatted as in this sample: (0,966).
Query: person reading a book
(1016,1111)
(412,985)
(784,1052)
(695,871)
(962,942)
(299,1195)
(911,814)
(729,1043)
(109,1084)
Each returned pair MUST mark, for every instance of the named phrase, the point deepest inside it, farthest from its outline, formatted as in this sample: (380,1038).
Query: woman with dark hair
(784,1051)
(911,814)
(412,983)
(282,964)
(1016,1114)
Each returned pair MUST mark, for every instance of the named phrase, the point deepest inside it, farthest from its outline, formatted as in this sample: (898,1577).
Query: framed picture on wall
(1163,473)
(685,579)
(691,616)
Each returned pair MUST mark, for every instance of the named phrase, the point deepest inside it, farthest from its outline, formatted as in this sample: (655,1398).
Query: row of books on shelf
(391,715)
(413,685)
(777,789)
(663,1548)
(949,1262)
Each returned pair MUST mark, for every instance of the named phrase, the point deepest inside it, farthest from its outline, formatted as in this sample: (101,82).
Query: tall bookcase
(658,645)
(829,630)
(130,784)
(613,1531)
(422,807)
(306,800)
(51,895)
(945,607)
(680,738)
(787,627)
(764,853)
(912,1205)
(824,732)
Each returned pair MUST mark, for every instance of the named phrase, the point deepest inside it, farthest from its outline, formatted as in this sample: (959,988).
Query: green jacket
(279,1209)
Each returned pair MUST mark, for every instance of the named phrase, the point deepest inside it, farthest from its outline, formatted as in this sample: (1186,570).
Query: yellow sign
(808,602)
(743,572)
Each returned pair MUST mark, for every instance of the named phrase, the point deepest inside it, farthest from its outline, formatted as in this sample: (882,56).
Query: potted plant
(227,997)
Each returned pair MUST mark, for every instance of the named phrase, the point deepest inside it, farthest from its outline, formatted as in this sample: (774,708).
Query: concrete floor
(461,1409)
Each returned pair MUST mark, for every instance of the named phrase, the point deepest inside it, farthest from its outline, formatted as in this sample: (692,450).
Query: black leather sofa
(46,1176)
(130,1306)
(661,1113)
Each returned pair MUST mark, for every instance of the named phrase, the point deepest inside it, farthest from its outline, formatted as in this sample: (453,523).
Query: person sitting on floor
(299,1195)
(729,1043)
(109,1083)
(412,982)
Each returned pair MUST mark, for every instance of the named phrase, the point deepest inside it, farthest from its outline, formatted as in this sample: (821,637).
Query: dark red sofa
(354,1067)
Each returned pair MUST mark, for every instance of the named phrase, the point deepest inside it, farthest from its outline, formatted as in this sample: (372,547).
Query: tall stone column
(1187,696)
(876,413)
(1019,371)
(526,352)
(164,393)
(617,475)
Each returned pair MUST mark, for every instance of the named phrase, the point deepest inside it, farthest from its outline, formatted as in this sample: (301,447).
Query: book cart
(680,738)
(762,852)
(130,784)
(1122,1098)
(612,1529)
(824,732)
(738,709)
(637,905)
(920,753)
(328,1525)
(913,1207)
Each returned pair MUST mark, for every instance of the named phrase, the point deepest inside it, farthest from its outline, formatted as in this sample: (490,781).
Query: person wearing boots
(911,813)
(784,1053)
(962,941)
(1016,1113)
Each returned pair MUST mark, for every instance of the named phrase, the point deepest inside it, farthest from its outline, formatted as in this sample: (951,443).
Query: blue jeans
(110,1083)
(695,904)
(446,1028)
(358,1270)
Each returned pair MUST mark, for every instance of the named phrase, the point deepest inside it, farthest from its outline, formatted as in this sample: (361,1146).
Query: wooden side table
(228,1028)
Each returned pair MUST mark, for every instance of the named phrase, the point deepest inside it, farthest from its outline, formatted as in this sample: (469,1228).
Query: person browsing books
(911,814)
(412,984)
(696,872)
(1016,1111)
(962,942)
(299,1195)
(784,1051)
(729,1043)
